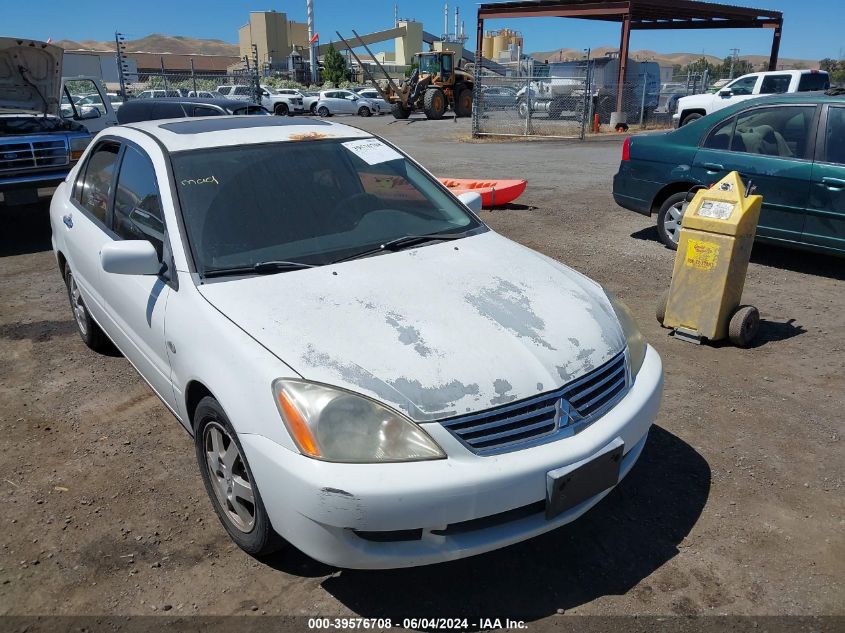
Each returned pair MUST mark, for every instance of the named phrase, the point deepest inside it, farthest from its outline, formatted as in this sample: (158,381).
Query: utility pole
(734,58)
(312,46)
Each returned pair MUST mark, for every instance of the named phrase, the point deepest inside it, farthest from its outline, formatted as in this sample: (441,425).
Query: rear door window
(167,111)
(775,84)
(835,136)
(202,110)
(782,131)
(95,192)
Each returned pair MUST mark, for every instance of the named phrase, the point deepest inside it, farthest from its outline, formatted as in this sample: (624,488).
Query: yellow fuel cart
(703,301)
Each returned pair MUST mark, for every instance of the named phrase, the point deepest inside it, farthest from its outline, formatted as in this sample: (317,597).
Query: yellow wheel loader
(433,87)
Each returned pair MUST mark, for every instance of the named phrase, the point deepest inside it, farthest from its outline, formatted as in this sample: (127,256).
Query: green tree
(334,67)
(829,65)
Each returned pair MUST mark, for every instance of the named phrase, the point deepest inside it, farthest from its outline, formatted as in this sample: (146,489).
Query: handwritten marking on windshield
(200,181)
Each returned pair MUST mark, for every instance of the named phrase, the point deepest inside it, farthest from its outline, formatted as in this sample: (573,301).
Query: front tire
(364,111)
(695,116)
(282,109)
(323,111)
(434,104)
(229,481)
(90,333)
(399,111)
(669,219)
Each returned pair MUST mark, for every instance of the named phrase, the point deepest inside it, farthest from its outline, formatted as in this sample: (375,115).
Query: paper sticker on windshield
(372,151)
(716,209)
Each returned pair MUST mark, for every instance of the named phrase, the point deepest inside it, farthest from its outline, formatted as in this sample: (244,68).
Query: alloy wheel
(78,306)
(229,477)
(672,221)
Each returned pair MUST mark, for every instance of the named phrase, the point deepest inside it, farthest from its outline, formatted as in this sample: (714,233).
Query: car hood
(436,331)
(30,75)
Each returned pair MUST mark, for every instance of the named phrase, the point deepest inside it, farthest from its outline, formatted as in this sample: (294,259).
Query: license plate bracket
(568,486)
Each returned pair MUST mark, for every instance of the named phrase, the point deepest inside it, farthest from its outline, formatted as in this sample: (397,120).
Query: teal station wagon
(792,147)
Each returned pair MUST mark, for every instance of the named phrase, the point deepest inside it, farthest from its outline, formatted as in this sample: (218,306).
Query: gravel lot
(736,505)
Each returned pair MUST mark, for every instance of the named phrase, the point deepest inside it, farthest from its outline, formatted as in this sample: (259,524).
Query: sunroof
(221,124)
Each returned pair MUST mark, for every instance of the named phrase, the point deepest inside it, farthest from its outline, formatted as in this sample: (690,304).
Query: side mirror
(727,92)
(86,113)
(130,257)
(471,200)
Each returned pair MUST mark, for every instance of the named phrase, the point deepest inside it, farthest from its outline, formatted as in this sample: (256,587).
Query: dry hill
(667,59)
(157,43)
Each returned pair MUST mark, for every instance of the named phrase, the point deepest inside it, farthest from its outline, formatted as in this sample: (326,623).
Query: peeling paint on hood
(436,331)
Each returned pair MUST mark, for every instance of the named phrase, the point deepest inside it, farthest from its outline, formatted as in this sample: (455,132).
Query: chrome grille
(563,412)
(31,155)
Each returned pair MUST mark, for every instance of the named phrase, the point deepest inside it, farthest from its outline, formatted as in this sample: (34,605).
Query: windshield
(429,64)
(311,202)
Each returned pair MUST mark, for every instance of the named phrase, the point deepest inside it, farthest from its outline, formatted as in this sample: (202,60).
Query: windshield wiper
(403,242)
(261,268)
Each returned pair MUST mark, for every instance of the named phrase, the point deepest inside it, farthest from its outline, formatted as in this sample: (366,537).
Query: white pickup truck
(749,86)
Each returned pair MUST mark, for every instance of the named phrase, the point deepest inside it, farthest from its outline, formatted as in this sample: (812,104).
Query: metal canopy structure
(640,14)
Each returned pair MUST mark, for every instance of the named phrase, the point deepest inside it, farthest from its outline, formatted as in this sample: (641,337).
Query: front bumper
(323,508)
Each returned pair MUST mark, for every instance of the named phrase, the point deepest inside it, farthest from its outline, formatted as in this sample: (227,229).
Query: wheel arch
(670,190)
(195,391)
(62,261)
(689,111)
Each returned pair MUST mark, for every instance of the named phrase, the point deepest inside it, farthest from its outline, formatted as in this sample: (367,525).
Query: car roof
(222,131)
(218,101)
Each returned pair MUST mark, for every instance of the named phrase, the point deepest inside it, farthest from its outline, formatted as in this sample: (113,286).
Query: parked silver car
(344,102)
(373,95)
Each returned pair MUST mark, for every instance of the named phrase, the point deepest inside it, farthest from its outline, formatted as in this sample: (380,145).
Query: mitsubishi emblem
(565,414)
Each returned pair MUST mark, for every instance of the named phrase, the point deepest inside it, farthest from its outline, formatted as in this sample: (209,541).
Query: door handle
(713,167)
(836,184)
(68,220)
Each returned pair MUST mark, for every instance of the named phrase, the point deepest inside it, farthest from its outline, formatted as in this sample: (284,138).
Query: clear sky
(813,29)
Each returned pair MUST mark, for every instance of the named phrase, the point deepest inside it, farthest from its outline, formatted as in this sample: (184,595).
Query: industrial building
(274,36)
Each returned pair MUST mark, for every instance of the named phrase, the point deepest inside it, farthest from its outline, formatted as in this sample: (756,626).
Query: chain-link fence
(531,106)
(240,85)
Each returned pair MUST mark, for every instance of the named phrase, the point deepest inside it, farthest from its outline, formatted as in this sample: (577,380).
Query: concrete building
(409,44)
(273,35)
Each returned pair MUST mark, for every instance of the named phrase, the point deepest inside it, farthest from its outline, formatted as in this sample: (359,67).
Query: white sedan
(368,371)
(344,102)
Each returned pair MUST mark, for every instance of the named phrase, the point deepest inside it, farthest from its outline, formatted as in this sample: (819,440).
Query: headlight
(636,341)
(77,147)
(340,426)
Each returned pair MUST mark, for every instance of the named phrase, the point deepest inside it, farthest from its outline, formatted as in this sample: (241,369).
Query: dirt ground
(736,506)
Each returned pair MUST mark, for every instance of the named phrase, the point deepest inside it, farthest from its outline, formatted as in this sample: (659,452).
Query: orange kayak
(493,192)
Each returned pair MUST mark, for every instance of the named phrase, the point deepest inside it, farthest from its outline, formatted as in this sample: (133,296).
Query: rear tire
(313,108)
(399,111)
(281,109)
(229,481)
(434,104)
(463,104)
(323,111)
(669,219)
(90,333)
